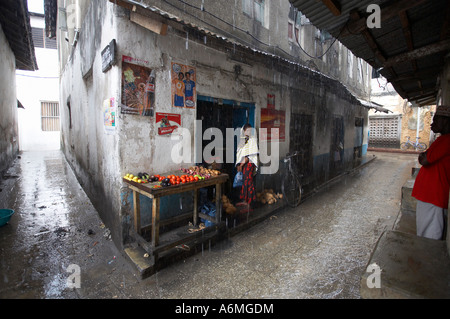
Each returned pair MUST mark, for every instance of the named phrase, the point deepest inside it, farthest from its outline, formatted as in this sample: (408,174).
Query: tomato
(196,178)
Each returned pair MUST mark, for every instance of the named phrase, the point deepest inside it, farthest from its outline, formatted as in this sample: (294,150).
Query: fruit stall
(159,185)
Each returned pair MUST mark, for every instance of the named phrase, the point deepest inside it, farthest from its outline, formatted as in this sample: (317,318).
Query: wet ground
(318,250)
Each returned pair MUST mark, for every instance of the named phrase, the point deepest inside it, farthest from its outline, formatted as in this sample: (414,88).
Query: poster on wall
(183,85)
(271,118)
(138,87)
(167,122)
(109,115)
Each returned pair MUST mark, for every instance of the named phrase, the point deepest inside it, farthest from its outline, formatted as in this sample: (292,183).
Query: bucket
(5,215)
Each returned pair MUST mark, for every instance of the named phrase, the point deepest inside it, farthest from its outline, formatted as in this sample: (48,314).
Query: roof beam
(445,26)
(354,16)
(418,53)
(334,6)
(430,72)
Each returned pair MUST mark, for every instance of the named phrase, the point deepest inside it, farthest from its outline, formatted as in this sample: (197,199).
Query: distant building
(38,91)
(16,53)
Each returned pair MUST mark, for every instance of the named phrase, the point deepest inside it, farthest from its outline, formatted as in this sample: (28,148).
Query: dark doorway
(337,146)
(223,114)
(300,132)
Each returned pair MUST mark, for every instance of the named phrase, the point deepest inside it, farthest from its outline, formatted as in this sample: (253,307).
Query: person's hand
(423,159)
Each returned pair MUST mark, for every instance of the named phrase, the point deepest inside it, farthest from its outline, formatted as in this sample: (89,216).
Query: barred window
(50,116)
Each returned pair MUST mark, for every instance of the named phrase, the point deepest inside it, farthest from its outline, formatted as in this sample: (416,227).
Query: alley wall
(9,139)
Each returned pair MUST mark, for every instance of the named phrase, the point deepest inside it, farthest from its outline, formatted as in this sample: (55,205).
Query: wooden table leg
(137,212)
(195,207)
(218,203)
(155,222)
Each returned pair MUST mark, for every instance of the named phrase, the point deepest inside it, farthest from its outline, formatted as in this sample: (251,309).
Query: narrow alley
(318,250)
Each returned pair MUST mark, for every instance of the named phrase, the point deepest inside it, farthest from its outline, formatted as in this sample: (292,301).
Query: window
(50,116)
(255,9)
(294,23)
(41,41)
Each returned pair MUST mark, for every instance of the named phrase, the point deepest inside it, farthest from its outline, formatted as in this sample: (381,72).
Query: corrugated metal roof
(15,22)
(409,48)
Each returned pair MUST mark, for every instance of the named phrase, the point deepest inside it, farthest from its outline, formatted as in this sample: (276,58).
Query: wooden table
(156,193)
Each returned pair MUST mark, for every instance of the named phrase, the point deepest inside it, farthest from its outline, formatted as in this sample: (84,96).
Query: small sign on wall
(109,56)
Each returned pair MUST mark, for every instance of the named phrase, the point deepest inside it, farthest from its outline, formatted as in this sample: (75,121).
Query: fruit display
(201,171)
(193,174)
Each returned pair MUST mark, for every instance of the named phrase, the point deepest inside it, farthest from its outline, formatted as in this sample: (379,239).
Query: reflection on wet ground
(318,250)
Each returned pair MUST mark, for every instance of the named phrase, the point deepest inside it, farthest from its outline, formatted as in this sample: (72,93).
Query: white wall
(33,88)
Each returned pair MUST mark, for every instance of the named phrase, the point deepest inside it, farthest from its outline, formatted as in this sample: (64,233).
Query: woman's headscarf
(248,146)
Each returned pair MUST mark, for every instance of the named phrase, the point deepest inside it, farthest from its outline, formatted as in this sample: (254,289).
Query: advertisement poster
(183,85)
(271,118)
(138,87)
(109,115)
(167,122)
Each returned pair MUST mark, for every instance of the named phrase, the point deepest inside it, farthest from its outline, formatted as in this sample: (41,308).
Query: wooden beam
(445,30)
(148,23)
(354,16)
(415,75)
(418,53)
(334,6)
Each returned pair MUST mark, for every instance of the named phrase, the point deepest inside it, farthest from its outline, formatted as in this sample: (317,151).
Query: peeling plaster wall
(9,141)
(91,152)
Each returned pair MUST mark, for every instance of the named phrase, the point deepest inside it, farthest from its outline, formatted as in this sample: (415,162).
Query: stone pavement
(317,250)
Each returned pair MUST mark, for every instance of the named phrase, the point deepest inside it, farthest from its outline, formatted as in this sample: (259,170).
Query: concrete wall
(9,141)
(100,159)
(92,153)
(34,87)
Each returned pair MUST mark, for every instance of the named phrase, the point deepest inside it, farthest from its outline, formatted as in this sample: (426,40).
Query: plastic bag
(210,210)
(238,180)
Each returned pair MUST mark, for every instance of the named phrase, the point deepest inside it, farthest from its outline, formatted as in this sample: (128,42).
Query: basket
(5,215)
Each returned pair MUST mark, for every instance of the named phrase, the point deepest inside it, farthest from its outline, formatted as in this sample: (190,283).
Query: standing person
(247,163)
(431,188)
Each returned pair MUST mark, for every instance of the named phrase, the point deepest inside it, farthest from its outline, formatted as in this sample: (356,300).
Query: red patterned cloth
(248,193)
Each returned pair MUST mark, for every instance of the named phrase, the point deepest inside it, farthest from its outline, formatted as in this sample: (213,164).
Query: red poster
(167,122)
(271,118)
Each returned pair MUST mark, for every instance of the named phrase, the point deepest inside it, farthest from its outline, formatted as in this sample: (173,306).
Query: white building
(38,92)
